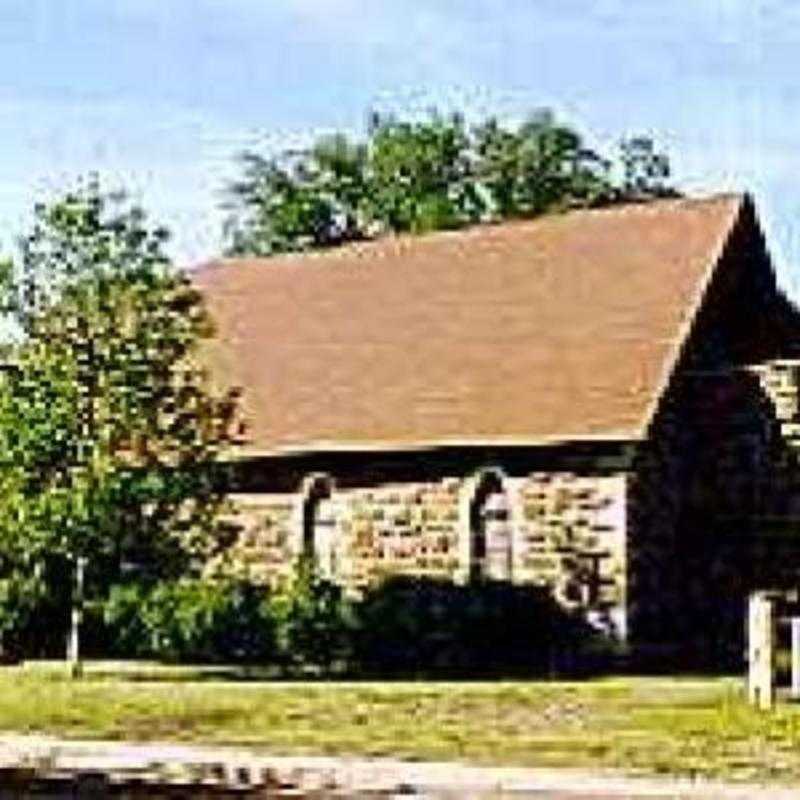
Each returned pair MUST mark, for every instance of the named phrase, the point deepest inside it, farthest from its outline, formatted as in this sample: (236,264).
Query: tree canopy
(429,174)
(108,432)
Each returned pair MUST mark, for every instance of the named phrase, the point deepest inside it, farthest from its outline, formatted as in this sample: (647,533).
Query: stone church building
(603,402)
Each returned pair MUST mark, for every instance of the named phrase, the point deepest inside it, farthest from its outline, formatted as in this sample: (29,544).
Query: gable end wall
(712,483)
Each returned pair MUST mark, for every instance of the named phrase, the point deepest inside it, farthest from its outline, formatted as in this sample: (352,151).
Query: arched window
(319,543)
(490,530)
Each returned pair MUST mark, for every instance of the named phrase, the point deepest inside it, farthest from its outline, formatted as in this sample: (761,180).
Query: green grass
(653,725)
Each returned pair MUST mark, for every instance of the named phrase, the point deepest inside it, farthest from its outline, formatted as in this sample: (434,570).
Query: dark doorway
(490,530)
(319,527)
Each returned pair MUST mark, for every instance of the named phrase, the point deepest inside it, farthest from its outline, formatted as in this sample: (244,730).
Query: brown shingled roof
(561,328)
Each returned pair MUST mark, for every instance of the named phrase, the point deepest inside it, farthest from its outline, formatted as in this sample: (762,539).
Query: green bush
(305,624)
(409,626)
(314,622)
(20,598)
(191,620)
(123,615)
(402,627)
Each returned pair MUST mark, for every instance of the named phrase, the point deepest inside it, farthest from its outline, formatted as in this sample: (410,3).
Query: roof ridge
(379,245)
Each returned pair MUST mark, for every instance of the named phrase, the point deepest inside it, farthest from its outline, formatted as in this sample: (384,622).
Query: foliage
(401,627)
(108,433)
(21,596)
(429,174)
(191,620)
(304,624)
(411,626)
(314,622)
(420,175)
(646,171)
(541,166)
(123,614)
(299,200)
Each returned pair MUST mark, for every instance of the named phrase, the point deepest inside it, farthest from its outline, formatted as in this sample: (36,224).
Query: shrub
(123,615)
(306,623)
(412,626)
(192,620)
(402,627)
(314,622)
(20,598)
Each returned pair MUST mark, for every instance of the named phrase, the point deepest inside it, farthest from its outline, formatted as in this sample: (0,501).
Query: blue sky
(158,95)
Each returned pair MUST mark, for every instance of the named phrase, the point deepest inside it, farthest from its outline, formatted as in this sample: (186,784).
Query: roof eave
(340,447)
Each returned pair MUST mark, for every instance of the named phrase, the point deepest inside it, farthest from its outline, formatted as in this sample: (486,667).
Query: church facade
(603,403)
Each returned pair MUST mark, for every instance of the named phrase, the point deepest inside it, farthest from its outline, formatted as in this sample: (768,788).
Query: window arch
(318,528)
(490,535)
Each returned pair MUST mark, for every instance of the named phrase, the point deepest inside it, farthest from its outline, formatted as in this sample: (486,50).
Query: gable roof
(563,328)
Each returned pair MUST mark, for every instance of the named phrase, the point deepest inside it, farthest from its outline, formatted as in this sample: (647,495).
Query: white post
(795,623)
(761,641)
(76,616)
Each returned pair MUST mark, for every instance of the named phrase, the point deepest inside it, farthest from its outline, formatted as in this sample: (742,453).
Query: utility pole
(76,617)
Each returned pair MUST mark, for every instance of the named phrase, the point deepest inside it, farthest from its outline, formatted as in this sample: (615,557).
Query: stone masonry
(565,531)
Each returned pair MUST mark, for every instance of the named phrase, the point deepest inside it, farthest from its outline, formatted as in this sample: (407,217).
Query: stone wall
(567,532)
(401,529)
(779,381)
(713,508)
(695,500)
(264,525)
(573,540)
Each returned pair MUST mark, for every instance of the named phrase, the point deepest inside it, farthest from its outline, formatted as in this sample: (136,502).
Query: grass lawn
(638,724)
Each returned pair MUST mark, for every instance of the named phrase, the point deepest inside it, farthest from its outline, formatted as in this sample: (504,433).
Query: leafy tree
(542,166)
(418,176)
(338,170)
(271,211)
(108,433)
(300,200)
(645,170)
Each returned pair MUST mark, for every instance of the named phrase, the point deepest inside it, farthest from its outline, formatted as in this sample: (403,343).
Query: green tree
(646,171)
(420,175)
(272,210)
(299,200)
(430,174)
(407,176)
(542,166)
(339,172)
(110,437)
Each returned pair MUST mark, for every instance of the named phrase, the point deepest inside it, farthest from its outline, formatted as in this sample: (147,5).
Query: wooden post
(761,644)
(795,623)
